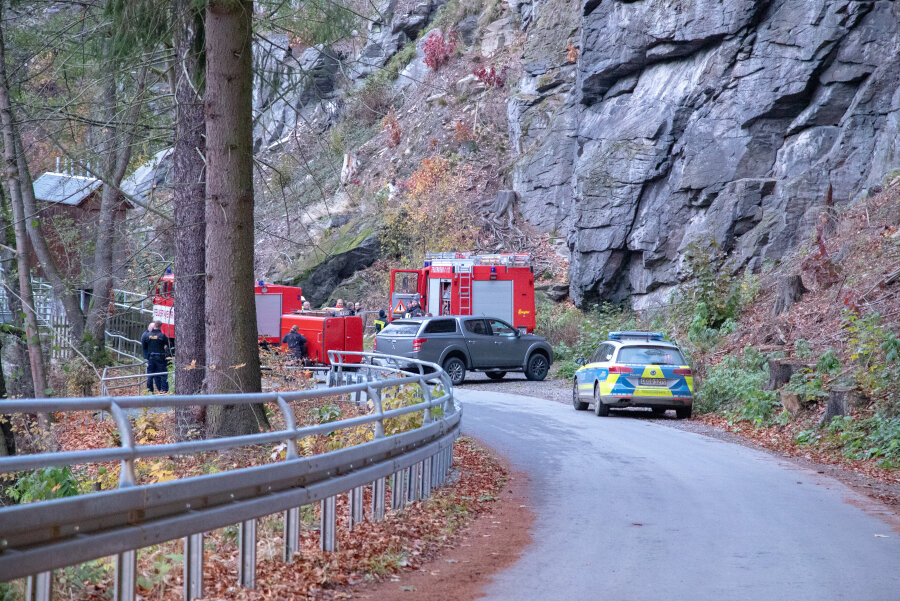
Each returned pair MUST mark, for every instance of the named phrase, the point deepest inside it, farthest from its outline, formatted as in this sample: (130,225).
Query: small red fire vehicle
(277,309)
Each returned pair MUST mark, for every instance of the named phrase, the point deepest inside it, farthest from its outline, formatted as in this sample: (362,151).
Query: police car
(634,369)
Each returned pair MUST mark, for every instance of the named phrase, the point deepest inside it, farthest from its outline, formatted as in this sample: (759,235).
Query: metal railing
(39,537)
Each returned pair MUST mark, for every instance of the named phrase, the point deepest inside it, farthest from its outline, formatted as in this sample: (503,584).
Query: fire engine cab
(459,283)
(277,309)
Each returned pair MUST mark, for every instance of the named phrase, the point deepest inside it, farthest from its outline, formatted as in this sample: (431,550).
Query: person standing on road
(156,349)
(144,339)
(296,343)
(380,321)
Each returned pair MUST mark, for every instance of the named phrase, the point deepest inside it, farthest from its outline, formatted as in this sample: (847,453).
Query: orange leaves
(463,133)
(572,53)
(392,127)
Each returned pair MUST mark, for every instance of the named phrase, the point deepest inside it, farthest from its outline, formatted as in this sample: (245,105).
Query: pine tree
(231,336)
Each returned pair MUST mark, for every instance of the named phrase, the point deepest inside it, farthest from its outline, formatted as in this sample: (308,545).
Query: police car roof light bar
(648,336)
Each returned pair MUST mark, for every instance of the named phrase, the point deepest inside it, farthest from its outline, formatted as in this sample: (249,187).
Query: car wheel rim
(455,372)
(539,367)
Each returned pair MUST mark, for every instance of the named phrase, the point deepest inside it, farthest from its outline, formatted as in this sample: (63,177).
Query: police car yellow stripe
(652,371)
(607,385)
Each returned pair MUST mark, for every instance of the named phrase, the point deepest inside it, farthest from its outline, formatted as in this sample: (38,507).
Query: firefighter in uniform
(415,310)
(296,343)
(380,321)
(156,349)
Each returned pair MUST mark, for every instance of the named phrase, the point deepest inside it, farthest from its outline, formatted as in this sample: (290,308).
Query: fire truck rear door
(493,298)
(268,315)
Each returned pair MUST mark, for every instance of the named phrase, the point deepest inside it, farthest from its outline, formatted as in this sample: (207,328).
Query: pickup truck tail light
(681,371)
(418,342)
(620,369)
(375,344)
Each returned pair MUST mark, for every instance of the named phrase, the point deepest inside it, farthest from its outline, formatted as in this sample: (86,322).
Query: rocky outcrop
(700,122)
(319,281)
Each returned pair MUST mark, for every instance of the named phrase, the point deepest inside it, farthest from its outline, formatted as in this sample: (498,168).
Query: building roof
(64,188)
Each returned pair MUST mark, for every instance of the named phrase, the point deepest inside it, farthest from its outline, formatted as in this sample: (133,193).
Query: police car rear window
(404,328)
(650,355)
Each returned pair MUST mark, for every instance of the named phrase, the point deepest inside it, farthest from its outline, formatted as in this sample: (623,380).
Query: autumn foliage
(431,216)
(392,128)
(438,49)
(490,76)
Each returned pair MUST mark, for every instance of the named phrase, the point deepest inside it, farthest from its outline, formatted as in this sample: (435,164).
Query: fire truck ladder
(465,293)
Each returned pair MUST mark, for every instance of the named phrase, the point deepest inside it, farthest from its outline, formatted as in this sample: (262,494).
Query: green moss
(339,241)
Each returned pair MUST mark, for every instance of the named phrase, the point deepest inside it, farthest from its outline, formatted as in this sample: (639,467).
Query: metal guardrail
(39,537)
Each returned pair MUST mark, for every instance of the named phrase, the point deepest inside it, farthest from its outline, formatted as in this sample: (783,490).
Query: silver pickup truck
(467,343)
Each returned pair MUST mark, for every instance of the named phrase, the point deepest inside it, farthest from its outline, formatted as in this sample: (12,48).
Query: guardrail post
(193,566)
(412,485)
(247,554)
(378,499)
(291,533)
(355,497)
(39,587)
(326,529)
(126,573)
(126,474)
(398,490)
(426,478)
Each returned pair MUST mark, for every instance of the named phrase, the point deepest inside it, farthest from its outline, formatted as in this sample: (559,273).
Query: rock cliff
(672,122)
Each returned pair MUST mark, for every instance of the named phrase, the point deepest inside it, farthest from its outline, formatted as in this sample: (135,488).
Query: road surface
(628,509)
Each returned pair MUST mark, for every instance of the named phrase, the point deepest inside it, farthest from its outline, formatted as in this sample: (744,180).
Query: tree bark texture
(32,334)
(116,152)
(62,288)
(232,352)
(190,209)
(788,290)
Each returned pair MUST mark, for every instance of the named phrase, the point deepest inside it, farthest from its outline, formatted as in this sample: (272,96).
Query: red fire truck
(467,284)
(277,309)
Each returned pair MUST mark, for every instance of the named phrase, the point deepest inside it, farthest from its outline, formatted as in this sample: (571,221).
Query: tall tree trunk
(32,334)
(190,208)
(116,151)
(62,288)
(231,336)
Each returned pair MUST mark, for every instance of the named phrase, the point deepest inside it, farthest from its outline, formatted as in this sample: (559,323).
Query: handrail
(39,537)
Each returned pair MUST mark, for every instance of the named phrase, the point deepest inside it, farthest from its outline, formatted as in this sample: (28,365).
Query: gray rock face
(326,276)
(707,121)
(287,89)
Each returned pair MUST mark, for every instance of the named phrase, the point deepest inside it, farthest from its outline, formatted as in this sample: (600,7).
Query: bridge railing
(37,538)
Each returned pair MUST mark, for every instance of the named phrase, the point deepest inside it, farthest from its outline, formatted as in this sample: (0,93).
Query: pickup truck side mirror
(580,361)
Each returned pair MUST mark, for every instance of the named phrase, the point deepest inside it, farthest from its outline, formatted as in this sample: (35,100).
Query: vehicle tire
(495,375)
(683,412)
(576,402)
(456,369)
(538,367)
(600,409)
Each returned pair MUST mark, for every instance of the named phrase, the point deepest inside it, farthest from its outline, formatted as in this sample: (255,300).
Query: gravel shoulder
(560,391)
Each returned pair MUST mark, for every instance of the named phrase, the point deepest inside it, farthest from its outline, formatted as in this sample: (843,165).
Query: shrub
(737,382)
(490,77)
(44,484)
(463,133)
(875,437)
(438,49)
(392,128)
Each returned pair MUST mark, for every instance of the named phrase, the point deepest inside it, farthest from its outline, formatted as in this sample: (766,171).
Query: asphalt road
(628,509)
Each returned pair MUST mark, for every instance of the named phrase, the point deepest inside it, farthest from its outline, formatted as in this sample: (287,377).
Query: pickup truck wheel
(537,367)
(600,410)
(456,369)
(495,375)
(576,402)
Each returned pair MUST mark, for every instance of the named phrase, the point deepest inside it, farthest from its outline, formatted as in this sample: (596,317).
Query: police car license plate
(653,381)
